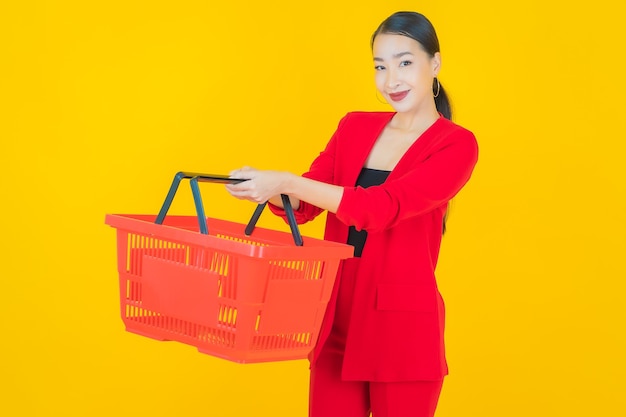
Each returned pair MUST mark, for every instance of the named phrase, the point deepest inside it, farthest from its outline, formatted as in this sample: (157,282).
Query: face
(404,72)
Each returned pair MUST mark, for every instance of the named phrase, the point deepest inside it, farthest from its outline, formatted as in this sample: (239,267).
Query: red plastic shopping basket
(242,293)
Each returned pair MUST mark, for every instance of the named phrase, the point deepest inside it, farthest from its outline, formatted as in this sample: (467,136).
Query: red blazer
(396,330)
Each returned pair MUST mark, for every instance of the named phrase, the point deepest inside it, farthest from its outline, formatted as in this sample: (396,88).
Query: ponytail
(442,102)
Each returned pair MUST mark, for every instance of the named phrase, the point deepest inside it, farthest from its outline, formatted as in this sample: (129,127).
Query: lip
(398,96)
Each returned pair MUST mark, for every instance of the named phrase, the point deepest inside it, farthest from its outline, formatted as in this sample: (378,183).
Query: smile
(398,96)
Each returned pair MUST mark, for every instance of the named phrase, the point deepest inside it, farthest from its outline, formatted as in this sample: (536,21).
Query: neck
(414,121)
(417,119)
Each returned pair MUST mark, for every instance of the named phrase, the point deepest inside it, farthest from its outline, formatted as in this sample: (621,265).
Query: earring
(438,88)
(378,98)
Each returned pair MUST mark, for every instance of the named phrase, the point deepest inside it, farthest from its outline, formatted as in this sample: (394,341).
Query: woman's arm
(265,186)
(304,194)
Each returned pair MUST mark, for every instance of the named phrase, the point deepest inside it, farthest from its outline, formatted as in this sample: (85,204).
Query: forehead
(386,45)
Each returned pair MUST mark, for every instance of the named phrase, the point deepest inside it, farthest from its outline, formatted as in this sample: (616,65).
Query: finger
(232,189)
(242,195)
(243,173)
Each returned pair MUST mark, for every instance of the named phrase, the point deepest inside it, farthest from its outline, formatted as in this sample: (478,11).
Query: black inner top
(367,178)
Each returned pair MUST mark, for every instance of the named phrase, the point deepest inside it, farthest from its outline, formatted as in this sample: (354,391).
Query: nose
(391,81)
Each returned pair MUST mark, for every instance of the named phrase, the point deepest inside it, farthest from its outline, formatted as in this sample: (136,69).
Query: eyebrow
(395,56)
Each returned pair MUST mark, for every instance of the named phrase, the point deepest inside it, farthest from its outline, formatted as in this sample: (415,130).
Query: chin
(402,107)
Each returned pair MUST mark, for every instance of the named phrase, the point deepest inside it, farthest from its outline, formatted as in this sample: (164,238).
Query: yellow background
(102,102)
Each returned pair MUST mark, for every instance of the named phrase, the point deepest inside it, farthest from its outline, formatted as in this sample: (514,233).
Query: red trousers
(330,396)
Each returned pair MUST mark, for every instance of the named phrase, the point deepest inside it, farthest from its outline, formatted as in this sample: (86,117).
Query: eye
(405,63)
(379,68)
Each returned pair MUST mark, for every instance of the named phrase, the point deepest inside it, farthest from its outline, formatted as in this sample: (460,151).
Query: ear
(435,62)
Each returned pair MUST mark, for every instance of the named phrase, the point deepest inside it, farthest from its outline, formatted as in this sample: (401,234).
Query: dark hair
(417,27)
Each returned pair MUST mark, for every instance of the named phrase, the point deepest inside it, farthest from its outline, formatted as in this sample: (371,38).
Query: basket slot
(133,290)
(135,314)
(304,270)
(282,341)
(158,326)
(140,246)
(216,337)
(227,316)
(241,239)
(218,263)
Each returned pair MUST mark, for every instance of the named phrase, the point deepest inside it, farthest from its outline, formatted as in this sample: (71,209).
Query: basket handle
(222,179)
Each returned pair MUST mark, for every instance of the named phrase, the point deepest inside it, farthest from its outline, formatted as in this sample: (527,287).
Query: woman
(386,180)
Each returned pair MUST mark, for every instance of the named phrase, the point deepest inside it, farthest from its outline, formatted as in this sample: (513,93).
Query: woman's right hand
(261,185)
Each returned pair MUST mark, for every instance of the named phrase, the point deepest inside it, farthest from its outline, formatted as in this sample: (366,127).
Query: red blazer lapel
(360,138)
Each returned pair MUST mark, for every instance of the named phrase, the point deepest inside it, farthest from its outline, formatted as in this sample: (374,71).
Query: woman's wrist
(288,185)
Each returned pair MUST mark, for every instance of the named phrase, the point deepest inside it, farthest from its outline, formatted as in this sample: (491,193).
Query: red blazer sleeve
(429,181)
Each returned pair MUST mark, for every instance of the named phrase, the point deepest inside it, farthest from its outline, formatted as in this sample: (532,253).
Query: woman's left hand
(260,186)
